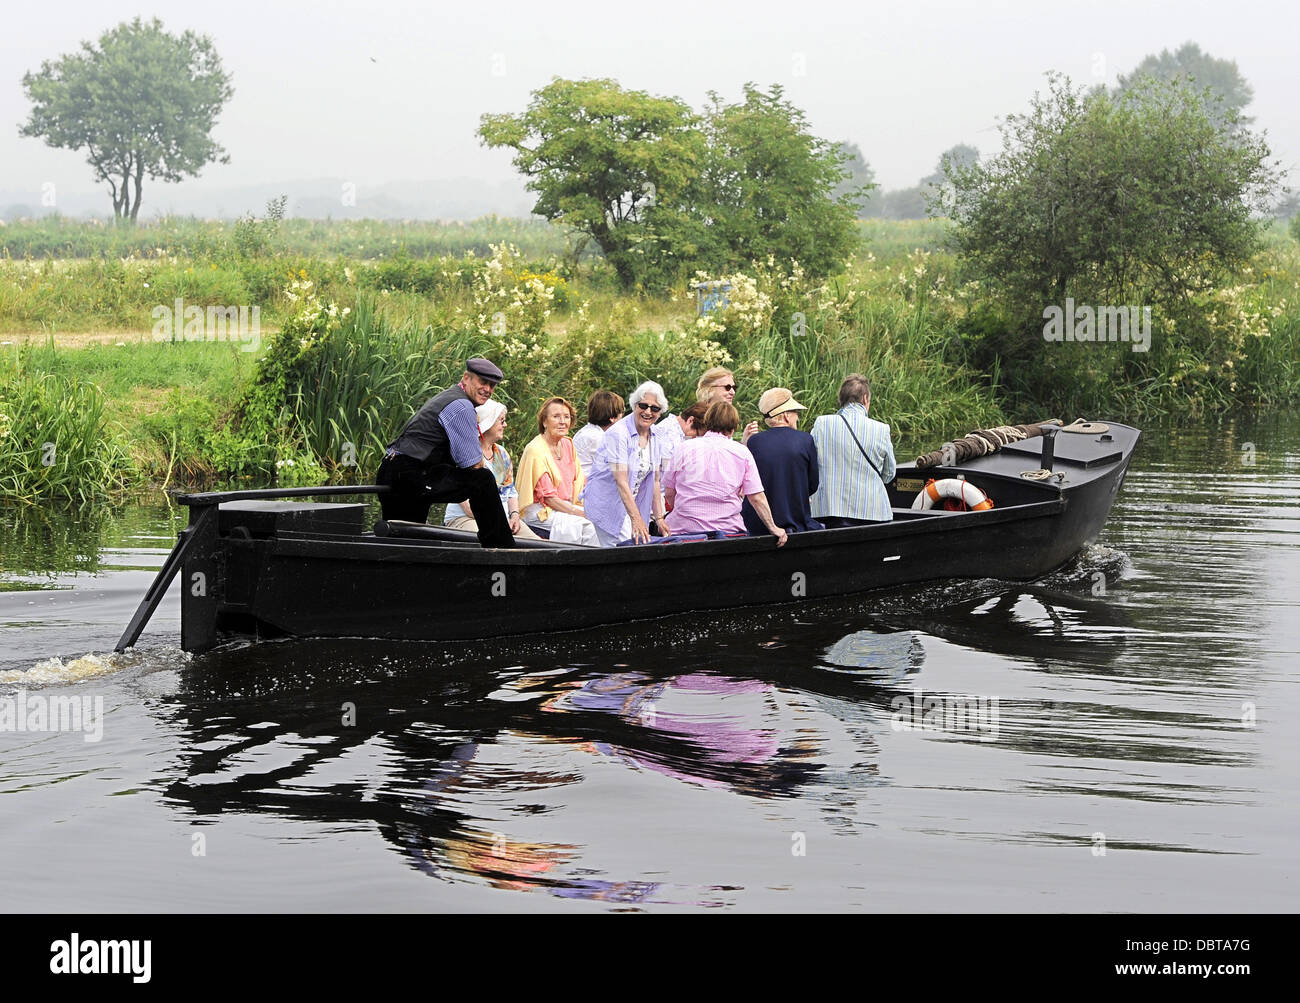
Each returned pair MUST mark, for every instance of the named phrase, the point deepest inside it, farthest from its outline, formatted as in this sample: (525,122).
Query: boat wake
(1094,567)
(57,672)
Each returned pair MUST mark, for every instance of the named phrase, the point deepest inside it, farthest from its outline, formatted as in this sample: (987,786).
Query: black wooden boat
(254,566)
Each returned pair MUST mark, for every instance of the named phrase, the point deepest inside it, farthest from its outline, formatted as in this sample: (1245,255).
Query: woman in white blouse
(604,407)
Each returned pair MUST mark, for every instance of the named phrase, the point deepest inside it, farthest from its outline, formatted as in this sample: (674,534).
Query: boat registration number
(909,484)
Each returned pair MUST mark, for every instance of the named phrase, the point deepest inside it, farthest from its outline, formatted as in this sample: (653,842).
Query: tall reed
(55,442)
(360,383)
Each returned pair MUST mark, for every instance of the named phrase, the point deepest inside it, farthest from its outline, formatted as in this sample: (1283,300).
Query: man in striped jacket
(856,459)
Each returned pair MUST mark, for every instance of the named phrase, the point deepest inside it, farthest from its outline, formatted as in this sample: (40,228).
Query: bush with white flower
(297,468)
(264,429)
(510,300)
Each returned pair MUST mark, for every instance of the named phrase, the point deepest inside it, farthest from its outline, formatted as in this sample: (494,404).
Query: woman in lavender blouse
(623,489)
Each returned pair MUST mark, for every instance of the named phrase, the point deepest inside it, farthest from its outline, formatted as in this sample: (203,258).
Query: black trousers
(416,486)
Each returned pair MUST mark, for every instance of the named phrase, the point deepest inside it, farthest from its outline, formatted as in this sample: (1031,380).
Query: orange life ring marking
(951,487)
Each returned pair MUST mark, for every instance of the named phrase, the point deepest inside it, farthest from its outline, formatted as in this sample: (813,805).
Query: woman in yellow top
(550,478)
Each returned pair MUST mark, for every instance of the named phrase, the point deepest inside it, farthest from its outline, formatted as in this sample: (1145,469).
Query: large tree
(140,102)
(770,184)
(615,165)
(1098,195)
(663,191)
(1138,200)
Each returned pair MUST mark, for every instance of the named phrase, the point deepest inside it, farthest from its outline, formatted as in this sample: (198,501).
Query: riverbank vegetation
(1130,224)
(353,345)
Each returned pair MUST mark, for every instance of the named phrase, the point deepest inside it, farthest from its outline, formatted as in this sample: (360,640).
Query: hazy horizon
(390,93)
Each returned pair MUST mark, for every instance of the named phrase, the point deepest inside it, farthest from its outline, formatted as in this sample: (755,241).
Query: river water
(1115,737)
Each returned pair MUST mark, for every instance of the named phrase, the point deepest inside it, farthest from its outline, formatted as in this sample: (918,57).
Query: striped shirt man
(849,488)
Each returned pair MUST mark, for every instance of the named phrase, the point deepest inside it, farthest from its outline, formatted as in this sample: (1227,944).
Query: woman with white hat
(491,430)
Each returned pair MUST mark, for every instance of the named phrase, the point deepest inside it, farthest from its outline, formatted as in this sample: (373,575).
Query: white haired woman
(491,430)
(623,491)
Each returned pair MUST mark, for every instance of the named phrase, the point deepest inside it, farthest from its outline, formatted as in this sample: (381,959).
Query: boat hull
(250,578)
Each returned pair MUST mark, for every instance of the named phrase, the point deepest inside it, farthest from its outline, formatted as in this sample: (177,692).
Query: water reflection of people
(699,727)
(517,865)
(452,761)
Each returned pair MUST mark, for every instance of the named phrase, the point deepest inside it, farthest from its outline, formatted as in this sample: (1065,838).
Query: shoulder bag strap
(859,445)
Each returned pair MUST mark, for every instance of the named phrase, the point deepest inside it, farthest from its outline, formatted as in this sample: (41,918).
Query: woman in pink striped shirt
(708,476)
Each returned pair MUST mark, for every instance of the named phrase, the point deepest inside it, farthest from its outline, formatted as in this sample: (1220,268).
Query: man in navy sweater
(787,463)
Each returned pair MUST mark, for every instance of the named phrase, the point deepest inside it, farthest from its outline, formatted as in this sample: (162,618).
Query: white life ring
(952,487)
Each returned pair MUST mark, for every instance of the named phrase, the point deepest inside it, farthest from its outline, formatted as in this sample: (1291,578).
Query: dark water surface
(1118,736)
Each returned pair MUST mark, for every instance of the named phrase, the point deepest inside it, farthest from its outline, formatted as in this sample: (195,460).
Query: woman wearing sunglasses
(623,489)
(719,384)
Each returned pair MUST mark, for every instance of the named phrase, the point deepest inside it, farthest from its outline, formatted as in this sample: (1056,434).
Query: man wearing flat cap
(787,463)
(437,458)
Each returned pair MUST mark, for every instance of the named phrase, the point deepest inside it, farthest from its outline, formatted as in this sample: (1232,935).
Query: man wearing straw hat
(437,458)
(787,462)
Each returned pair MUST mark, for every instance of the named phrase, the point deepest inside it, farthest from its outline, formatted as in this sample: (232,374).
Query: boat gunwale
(367,547)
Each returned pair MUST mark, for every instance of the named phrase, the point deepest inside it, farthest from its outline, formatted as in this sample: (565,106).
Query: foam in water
(55,671)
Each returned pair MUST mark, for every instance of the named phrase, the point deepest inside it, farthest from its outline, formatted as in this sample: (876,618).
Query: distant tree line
(1228,91)
(903,203)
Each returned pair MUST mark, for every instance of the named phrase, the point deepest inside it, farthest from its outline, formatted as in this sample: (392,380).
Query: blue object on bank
(710,296)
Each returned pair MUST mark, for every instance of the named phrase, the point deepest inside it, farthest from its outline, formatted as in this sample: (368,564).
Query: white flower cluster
(748,310)
(510,299)
(515,349)
(313,317)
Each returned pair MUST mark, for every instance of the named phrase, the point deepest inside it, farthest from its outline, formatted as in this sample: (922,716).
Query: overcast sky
(392,90)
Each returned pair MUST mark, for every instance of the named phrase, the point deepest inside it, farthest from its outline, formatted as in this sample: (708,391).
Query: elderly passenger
(604,407)
(624,490)
(491,430)
(787,462)
(716,384)
(856,459)
(436,458)
(719,384)
(550,478)
(674,429)
(707,477)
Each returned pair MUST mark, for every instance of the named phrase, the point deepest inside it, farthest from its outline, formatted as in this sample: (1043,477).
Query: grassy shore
(358,322)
